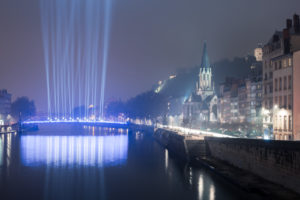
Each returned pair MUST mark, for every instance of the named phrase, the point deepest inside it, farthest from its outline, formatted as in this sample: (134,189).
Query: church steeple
(205,59)
(205,86)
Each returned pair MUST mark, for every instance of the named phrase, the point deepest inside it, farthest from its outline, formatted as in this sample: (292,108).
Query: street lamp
(266,120)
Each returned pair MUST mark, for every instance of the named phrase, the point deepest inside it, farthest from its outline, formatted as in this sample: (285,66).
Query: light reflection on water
(211,192)
(8,149)
(197,179)
(68,162)
(206,187)
(74,150)
(200,187)
(1,150)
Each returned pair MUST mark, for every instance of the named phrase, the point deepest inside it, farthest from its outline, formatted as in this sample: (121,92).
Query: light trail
(188,131)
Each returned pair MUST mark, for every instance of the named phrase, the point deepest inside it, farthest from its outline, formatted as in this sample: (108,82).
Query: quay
(6,129)
(264,168)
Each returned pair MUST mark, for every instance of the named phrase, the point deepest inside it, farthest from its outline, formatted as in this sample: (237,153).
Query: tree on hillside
(146,105)
(22,108)
(79,111)
(114,108)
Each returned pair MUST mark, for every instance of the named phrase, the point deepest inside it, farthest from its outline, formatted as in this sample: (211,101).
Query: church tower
(205,85)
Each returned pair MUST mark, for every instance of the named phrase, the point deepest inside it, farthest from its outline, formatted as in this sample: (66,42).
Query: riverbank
(264,169)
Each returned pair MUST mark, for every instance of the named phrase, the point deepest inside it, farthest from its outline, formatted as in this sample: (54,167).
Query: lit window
(284,63)
(290,61)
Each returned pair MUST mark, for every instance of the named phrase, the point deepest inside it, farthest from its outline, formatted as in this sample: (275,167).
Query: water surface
(80,162)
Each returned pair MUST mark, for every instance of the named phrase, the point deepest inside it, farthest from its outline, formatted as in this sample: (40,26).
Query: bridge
(102,123)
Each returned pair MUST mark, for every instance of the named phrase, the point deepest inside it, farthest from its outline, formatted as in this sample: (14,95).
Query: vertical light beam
(105,51)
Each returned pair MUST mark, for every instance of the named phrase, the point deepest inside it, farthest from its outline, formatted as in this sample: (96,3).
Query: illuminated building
(281,61)
(228,101)
(201,106)
(240,99)
(5,104)
(258,53)
(204,87)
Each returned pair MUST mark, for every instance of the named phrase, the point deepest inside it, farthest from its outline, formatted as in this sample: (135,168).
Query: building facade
(240,100)
(5,105)
(280,71)
(229,101)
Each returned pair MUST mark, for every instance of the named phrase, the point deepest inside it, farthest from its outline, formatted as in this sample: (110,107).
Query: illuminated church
(201,106)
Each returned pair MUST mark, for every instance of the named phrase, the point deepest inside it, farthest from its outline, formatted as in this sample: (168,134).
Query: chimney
(289,23)
(286,40)
(296,23)
(286,33)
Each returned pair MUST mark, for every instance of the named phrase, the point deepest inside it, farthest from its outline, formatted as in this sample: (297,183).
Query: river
(85,162)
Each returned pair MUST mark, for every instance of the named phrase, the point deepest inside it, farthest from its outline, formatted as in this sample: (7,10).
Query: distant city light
(160,87)
(172,76)
(266,137)
(283,112)
(265,111)
(187,131)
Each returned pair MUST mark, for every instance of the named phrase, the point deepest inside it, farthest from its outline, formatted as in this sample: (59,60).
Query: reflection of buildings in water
(206,187)
(5,152)
(166,159)
(74,150)
(194,178)
(139,135)
(80,182)
(190,176)
(211,192)
(1,149)
(200,187)
(8,149)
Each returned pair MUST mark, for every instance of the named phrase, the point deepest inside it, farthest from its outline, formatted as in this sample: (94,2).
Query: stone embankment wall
(184,147)
(276,161)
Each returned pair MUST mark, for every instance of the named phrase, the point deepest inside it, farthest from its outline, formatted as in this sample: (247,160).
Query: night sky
(150,40)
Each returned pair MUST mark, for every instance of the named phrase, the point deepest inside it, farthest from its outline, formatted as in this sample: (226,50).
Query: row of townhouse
(281,94)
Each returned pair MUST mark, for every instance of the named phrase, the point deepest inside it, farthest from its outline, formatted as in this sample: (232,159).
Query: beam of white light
(71,37)
(105,50)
